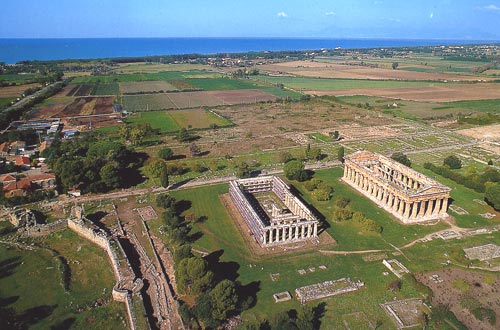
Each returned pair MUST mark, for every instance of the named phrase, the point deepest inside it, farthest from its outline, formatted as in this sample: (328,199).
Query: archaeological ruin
(408,195)
(272,213)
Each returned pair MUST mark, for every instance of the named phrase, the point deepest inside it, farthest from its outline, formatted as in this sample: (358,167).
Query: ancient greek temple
(407,194)
(272,213)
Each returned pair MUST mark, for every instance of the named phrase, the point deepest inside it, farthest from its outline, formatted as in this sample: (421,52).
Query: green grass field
(220,234)
(106,89)
(137,77)
(320,84)
(17,78)
(220,84)
(6,101)
(173,121)
(33,286)
(492,106)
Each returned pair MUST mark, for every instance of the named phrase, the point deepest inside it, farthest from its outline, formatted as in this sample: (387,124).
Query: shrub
(452,162)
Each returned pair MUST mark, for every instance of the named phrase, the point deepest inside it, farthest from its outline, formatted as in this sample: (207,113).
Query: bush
(321,195)
(294,170)
(452,162)
(401,158)
(165,153)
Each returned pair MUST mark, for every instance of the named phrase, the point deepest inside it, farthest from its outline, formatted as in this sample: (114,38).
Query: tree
(184,135)
(305,318)
(341,154)
(313,153)
(165,153)
(334,135)
(193,275)
(401,158)
(194,149)
(321,195)
(395,65)
(294,170)
(452,162)
(110,175)
(164,179)
(243,170)
(285,157)
(224,299)
(156,168)
(492,194)
(490,162)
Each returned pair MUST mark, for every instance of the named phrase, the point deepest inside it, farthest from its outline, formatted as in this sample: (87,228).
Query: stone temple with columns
(273,214)
(407,194)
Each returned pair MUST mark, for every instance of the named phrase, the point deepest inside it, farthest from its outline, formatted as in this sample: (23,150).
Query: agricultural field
(15,91)
(18,79)
(182,100)
(357,71)
(6,102)
(146,86)
(143,67)
(432,92)
(68,285)
(106,89)
(61,107)
(173,121)
(167,75)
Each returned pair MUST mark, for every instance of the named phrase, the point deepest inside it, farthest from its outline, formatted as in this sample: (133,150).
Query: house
(4,149)
(32,182)
(17,147)
(7,178)
(24,162)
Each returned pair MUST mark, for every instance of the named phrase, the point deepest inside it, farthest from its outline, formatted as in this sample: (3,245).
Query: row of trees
(216,295)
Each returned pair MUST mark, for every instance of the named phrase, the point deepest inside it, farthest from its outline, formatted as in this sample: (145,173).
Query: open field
(70,107)
(218,233)
(21,78)
(484,133)
(145,86)
(173,121)
(342,71)
(106,89)
(143,67)
(137,77)
(325,84)
(67,284)
(437,93)
(183,100)
(6,102)
(15,91)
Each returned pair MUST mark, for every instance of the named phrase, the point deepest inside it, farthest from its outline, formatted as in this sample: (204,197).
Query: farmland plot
(146,86)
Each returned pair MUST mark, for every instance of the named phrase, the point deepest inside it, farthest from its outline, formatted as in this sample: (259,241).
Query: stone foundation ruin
(408,195)
(281,218)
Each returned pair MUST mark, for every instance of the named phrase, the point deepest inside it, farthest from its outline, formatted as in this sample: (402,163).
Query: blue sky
(424,19)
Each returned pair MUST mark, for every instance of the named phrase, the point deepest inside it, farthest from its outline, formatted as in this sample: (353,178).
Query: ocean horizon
(15,50)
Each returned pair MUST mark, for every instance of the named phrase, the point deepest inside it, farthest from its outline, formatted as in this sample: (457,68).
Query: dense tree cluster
(472,179)
(92,164)
(294,170)
(320,191)
(401,158)
(313,153)
(342,212)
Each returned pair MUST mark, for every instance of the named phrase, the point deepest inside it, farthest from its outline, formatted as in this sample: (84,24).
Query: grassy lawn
(157,119)
(492,106)
(340,84)
(219,234)
(320,137)
(43,301)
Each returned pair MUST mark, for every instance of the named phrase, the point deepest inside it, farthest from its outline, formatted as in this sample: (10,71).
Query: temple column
(296,232)
(407,210)
(390,200)
(430,207)
(309,231)
(271,235)
(401,207)
(444,206)
(421,210)
(315,229)
(437,208)
(265,237)
(395,205)
(414,210)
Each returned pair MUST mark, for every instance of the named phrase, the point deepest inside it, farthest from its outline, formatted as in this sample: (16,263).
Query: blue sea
(15,50)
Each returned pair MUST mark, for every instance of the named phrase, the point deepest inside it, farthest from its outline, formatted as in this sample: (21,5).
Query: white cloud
(330,13)
(491,8)
(282,14)
(431,16)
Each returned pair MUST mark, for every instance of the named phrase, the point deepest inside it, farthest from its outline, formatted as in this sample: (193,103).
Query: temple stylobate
(407,194)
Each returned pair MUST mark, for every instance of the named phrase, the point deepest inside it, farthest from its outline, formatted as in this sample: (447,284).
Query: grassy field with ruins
(68,277)
(218,233)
